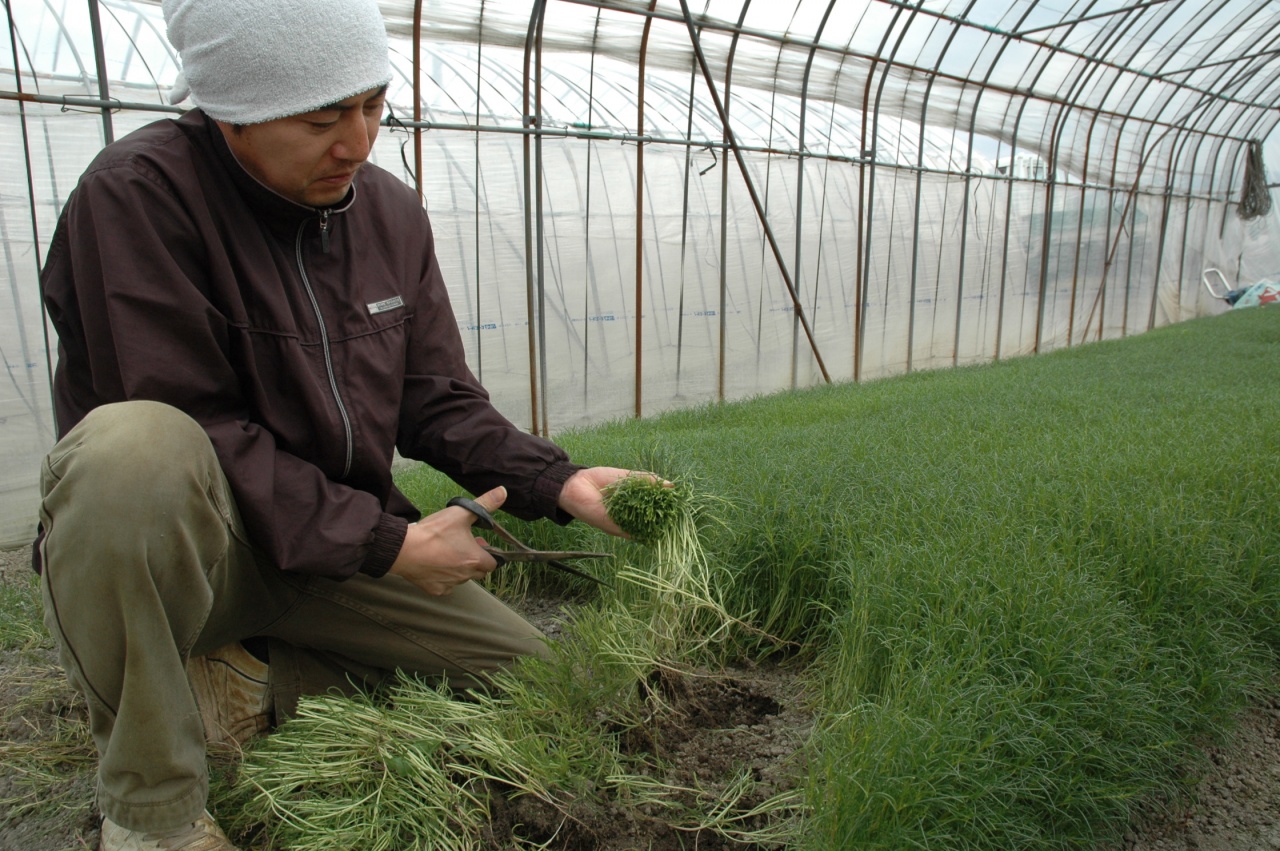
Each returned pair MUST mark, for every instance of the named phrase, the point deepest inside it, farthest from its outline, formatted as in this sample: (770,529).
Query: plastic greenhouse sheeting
(646,205)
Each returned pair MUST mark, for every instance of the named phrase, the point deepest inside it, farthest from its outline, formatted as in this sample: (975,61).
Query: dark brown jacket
(175,276)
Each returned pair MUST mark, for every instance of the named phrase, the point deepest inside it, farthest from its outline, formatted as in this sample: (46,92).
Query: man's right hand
(439,551)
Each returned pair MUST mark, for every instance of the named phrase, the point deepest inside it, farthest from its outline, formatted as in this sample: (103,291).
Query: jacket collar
(278,212)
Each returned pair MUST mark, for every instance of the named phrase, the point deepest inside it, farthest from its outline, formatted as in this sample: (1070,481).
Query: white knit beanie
(249,61)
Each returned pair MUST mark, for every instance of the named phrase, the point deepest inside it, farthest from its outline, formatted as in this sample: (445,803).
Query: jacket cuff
(547,487)
(388,538)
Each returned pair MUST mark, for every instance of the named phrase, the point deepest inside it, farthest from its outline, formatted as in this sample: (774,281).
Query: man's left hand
(583,497)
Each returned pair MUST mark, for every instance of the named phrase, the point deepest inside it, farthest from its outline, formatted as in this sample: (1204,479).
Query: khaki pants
(146,563)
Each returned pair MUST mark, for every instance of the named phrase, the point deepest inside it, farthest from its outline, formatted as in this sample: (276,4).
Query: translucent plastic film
(641,206)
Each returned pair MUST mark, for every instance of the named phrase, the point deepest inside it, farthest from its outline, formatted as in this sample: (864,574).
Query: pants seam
(62,633)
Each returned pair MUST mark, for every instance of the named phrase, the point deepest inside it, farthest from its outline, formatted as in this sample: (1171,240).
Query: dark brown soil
(712,728)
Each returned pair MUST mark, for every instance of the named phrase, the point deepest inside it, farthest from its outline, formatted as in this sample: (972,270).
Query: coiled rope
(1255,198)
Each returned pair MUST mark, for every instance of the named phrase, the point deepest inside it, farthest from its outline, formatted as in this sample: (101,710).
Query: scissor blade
(548,558)
(549,555)
(567,569)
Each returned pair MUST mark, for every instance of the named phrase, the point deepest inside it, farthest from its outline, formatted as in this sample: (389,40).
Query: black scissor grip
(483,518)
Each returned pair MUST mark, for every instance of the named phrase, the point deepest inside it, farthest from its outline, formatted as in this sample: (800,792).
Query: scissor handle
(483,518)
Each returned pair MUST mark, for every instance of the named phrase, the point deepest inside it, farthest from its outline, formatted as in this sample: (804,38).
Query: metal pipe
(417,97)
(717,25)
(750,185)
(590,283)
(800,136)
(866,199)
(639,296)
(984,87)
(100,64)
(1105,41)
(539,221)
(1123,10)
(1102,43)
(1188,31)
(920,143)
(71,103)
(530,120)
(35,218)
(684,230)
(475,153)
(1008,221)
(724,207)
(1204,105)
(1105,97)
(1137,72)
(1204,65)
(854,204)
(1059,128)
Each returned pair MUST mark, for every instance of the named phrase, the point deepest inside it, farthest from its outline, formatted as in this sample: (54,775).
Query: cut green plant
(650,509)
(537,762)
(555,745)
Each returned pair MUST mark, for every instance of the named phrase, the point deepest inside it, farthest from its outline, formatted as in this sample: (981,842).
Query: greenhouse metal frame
(646,205)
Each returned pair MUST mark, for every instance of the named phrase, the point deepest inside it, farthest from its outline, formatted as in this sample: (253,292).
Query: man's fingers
(492,500)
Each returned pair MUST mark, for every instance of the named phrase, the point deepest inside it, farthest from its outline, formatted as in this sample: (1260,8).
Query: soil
(742,718)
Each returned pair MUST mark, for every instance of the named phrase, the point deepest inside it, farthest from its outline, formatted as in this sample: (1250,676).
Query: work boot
(201,835)
(230,685)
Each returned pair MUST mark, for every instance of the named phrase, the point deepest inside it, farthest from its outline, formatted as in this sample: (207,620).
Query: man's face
(311,158)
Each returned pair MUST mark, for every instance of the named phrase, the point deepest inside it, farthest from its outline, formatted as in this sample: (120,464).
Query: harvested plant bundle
(555,737)
(670,585)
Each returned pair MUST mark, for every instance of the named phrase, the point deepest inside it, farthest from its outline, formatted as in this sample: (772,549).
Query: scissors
(522,552)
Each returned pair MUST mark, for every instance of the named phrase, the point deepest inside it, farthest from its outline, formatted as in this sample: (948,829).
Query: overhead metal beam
(1071,22)
(716,25)
(1230,61)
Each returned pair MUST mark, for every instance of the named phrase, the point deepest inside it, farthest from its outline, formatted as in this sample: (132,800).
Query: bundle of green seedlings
(549,754)
(669,583)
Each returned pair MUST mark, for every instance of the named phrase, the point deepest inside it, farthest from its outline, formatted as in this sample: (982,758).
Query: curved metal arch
(869,178)
(830,135)
(1117,27)
(531,113)
(968,173)
(1046,56)
(955,30)
(1188,30)
(66,37)
(798,262)
(1119,31)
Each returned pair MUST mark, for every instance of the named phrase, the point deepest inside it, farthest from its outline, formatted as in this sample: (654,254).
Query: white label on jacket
(385,305)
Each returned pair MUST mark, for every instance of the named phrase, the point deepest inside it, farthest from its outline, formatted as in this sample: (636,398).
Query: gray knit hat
(249,61)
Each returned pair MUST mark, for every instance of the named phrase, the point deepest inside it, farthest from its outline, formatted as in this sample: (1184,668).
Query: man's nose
(354,143)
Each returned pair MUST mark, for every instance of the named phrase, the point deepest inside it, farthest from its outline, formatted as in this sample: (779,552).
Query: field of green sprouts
(1020,593)
(1018,596)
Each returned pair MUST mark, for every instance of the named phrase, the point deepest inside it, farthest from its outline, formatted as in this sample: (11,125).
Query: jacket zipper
(324,231)
(324,334)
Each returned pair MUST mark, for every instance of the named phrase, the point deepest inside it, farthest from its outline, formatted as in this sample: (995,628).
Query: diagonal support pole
(696,41)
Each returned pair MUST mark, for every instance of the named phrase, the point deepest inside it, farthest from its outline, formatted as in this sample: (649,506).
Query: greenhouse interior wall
(641,206)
